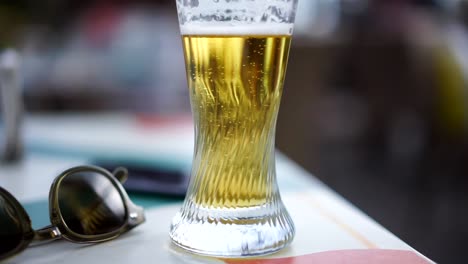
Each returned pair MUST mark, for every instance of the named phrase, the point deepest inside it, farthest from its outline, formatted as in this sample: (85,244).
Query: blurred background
(375,101)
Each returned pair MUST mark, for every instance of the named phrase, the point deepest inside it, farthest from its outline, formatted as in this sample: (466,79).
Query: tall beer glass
(236,52)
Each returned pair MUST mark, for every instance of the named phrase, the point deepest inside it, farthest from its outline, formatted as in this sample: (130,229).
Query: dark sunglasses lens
(11,232)
(90,204)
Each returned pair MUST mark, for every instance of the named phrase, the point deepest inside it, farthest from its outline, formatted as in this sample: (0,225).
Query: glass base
(240,232)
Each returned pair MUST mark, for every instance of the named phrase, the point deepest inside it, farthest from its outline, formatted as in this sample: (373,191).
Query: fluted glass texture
(235,77)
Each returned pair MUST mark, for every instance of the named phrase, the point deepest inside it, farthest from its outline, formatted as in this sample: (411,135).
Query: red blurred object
(100,22)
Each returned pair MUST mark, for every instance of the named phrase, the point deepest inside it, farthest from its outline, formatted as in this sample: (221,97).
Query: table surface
(329,229)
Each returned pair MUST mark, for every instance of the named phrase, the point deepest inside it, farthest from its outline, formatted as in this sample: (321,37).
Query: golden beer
(236,54)
(235,86)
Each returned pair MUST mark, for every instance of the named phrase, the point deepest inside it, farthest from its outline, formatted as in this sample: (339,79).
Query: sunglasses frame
(59,229)
(26,228)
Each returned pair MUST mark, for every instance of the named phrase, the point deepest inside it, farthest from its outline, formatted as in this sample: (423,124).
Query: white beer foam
(227,29)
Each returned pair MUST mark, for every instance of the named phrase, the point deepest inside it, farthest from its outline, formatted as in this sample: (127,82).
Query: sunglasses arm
(47,233)
(121,174)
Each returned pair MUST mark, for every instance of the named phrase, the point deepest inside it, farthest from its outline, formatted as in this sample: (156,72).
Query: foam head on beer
(270,29)
(236,17)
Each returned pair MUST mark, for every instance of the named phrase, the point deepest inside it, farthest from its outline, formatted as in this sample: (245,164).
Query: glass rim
(240,17)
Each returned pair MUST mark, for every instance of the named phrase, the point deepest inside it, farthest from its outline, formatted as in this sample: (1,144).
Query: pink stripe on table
(359,256)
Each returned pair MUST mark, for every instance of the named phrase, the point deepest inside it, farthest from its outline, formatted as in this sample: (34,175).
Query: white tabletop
(328,227)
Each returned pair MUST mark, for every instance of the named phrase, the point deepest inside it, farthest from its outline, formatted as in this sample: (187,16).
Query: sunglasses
(87,205)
